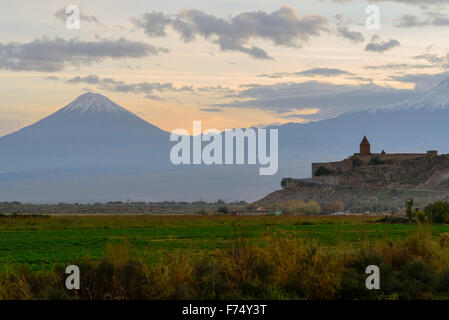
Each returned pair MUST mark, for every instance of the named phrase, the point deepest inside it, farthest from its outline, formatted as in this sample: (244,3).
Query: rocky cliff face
(424,172)
(426,179)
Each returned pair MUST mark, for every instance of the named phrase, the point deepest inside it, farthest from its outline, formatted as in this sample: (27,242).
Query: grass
(40,242)
(221,257)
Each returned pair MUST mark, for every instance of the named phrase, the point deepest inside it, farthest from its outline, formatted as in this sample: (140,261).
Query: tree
(438,212)
(336,206)
(409,208)
(313,207)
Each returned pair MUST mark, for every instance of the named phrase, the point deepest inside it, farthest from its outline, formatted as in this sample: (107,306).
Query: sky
(227,63)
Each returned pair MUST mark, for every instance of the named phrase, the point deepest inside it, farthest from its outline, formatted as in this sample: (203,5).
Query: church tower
(365,147)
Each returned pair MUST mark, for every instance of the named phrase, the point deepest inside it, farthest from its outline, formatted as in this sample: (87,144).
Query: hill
(373,186)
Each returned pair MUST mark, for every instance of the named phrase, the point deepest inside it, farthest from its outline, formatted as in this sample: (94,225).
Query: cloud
(399,66)
(153,23)
(422,81)
(217,90)
(283,28)
(421,3)
(110,84)
(327,72)
(433,19)
(90,79)
(154,97)
(330,99)
(61,15)
(49,55)
(211,110)
(432,58)
(354,36)
(407,21)
(376,45)
(113,85)
(300,114)
(54,78)
(363,79)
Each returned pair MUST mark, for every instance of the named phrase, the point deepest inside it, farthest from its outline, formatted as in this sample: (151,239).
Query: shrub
(421,216)
(336,206)
(202,212)
(323,171)
(376,160)
(356,162)
(223,210)
(438,212)
(444,240)
(284,267)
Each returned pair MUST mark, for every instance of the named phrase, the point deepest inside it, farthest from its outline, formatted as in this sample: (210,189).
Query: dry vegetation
(284,267)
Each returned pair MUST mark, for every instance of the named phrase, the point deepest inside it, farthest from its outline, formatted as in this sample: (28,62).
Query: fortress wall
(394,156)
(329,180)
(402,156)
(346,165)
(342,166)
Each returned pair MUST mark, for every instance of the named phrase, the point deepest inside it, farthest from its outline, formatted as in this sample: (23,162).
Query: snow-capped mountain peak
(436,98)
(93,103)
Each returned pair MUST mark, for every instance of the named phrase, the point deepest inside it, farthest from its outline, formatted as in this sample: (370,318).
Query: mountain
(91,130)
(94,150)
(414,125)
(436,98)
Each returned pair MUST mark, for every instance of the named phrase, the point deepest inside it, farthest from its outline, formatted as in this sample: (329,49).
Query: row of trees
(437,212)
(295,207)
(298,207)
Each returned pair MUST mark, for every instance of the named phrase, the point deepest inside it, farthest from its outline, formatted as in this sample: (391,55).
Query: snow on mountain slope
(436,98)
(95,150)
(90,103)
(92,129)
(93,112)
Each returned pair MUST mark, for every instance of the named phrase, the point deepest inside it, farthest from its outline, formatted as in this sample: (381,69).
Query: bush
(421,216)
(323,171)
(376,160)
(202,212)
(336,206)
(356,162)
(438,212)
(285,267)
(444,240)
(223,210)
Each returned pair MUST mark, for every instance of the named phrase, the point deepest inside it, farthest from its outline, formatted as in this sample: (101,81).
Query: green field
(40,242)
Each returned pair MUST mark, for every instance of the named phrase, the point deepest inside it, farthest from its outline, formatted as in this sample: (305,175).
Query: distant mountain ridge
(436,98)
(94,150)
